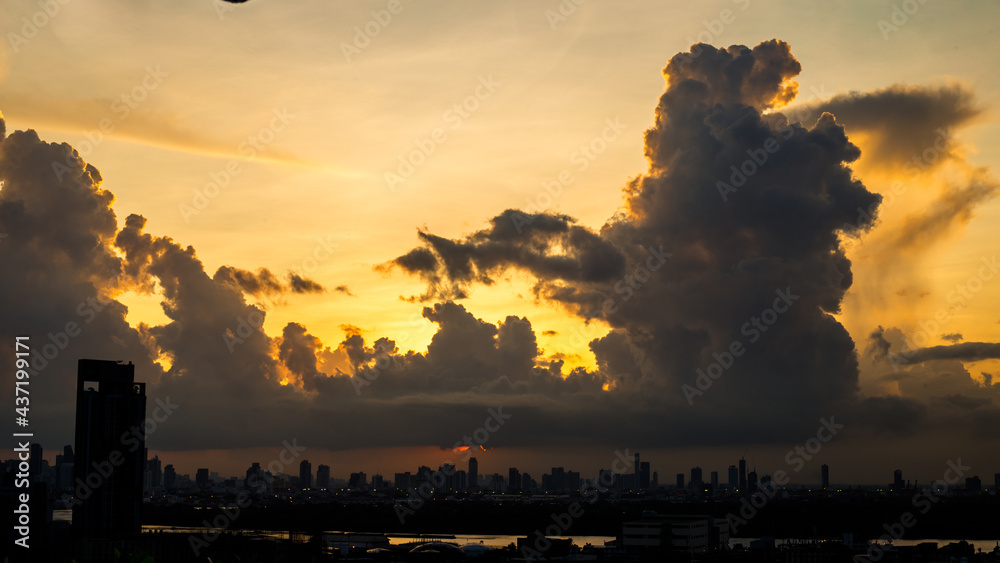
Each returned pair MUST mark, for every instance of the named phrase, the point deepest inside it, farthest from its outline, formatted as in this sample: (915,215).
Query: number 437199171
(21,402)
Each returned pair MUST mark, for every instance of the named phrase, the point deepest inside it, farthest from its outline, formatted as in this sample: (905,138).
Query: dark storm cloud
(966,403)
(263,282)
(878,347)
(300,284)
(905,121)
(551,247)
(60,269)
(732,239)
(952,337)
(966,351)
(733,252)
(897,415)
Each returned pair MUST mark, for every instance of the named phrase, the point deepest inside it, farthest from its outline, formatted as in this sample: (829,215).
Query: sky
(373,227)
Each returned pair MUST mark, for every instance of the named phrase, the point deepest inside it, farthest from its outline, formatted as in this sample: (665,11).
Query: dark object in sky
(110,452)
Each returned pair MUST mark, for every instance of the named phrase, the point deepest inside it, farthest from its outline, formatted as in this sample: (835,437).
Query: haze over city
(695,231)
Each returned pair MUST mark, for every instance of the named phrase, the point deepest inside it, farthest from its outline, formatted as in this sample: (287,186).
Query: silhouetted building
(824,471)
(201,479)
(110,449)
(696,479)
(996,482)
(557,480)
(644,476)
(743,474)
(715,480)
(572,481)
(402,481)
(680,480)
(897,480)
(169,477)
(155,472)
(752,481)
(358,480)
(473,474)
(257,479)
(305,474)
(323,477)
(973,484)
(734,477)
(513,479)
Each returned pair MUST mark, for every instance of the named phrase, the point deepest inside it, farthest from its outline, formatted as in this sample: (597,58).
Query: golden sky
(304,112)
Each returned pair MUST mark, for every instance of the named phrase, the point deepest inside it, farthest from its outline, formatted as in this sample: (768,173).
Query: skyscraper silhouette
(743,474)
(473,473)
(825,476)
(110,449)
(305,474)
(323,477)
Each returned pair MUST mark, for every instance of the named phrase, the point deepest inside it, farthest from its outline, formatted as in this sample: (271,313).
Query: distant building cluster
(106,476)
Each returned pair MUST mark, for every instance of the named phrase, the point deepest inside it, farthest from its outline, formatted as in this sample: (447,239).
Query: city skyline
(294,470)
(394,236)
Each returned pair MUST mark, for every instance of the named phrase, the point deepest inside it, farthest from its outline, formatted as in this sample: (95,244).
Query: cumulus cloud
(263,282)
(878,346)
(345,290)
(548,246)
(905,121)
(709,239)
(727,257)
(966,351)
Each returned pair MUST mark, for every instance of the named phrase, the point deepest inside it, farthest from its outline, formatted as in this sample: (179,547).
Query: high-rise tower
(110,449)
